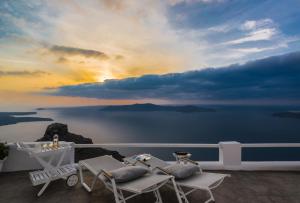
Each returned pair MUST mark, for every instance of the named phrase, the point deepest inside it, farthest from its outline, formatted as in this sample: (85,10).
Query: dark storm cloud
(23,73)
(70,51)
(276,77)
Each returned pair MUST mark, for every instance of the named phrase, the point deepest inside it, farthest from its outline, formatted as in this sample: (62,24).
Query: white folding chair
(100,167)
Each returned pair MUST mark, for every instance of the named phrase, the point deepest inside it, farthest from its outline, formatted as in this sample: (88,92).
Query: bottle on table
(55,141)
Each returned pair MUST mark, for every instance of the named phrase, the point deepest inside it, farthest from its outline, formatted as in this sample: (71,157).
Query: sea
(245,124)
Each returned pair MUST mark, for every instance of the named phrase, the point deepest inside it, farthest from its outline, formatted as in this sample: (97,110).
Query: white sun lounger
(100,167)
(200,181)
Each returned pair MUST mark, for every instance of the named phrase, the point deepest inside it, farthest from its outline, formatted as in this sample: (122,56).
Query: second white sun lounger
(200,181)
(100,167)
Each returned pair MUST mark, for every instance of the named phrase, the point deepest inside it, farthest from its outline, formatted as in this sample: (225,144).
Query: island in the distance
(153,107)
(288,114)
(9,118)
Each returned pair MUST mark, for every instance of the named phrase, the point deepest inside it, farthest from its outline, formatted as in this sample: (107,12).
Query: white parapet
(230,155)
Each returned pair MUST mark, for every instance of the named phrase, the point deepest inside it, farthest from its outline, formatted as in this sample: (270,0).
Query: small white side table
(51,171)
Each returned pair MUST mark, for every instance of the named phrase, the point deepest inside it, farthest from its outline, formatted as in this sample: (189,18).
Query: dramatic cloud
(71,51)
(256,30)
(271,78)
(255,24)
(258,35)
(23,73)
(157,36)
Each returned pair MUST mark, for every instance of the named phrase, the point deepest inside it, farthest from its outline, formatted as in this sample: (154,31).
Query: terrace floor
(244,187)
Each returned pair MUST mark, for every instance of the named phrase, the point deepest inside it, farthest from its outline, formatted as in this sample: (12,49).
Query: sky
(75,52)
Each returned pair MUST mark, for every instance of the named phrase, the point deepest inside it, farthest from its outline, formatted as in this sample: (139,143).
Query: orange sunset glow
(51,46)
(75,44)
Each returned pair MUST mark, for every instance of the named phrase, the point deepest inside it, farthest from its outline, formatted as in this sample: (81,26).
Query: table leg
(43,188)
(62,156)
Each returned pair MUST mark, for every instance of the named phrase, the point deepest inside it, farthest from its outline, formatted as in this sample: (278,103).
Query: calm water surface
(243,124)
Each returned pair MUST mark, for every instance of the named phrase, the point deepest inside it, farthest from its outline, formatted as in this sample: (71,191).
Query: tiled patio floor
(244,187)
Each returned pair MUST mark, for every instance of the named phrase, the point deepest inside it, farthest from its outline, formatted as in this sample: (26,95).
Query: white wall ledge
(229,156)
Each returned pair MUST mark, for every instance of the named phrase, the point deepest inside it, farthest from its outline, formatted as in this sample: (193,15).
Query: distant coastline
(148,107)
(288,114)
(9,118)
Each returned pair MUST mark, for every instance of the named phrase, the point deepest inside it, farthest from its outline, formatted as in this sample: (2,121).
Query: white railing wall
(230,155)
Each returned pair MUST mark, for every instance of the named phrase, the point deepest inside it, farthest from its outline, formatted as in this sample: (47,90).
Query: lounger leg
(158,196)
(176,191)
(211,196)
(116,194)
(181,192)
(43,188)
(89,189)
(94,182)
(122,196)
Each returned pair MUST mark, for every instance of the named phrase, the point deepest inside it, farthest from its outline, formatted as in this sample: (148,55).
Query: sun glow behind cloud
(114,38)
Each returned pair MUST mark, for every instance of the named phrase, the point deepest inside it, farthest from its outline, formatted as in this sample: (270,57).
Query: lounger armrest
(142,162)
(161,169)
(190,161)
(139,161)
(107,174)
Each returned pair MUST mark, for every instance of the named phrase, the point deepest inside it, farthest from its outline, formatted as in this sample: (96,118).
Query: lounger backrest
(156,162)
(106,162)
